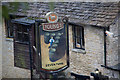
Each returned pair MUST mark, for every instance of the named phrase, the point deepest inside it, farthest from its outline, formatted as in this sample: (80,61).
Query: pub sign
(54,46)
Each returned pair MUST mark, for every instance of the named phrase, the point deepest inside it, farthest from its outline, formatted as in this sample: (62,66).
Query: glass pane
(9,28)
(25,29)
(78,35)
(26,38)
(78,42)
(19,28)
(25,34)
(11,31)
(19,37)
(77,31)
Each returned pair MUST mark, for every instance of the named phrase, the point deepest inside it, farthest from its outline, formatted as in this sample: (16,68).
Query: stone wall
(79,63)
(119,37)
(112,50)
(8,69)
(86,63)
(1,51)
(94,46)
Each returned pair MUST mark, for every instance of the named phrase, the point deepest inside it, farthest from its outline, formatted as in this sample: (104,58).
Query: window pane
(78,37)
(77,40)
(77,29)
(22,34)
(19,36)
(9,28)
(11,31)
(25,38)
(25,34)
(19,28)
(25,29)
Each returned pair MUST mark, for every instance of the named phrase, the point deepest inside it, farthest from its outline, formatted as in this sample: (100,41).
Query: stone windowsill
(9,39)
(79,51)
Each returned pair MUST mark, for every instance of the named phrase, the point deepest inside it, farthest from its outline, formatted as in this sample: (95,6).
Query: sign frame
(40,69)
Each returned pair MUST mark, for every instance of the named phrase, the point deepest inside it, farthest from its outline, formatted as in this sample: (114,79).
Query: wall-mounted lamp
(97,71)
(110,34)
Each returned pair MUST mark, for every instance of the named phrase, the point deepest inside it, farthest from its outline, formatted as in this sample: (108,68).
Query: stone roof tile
(92,13)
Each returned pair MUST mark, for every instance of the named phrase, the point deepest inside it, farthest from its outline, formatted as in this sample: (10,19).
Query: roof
(91,13)
(24,21)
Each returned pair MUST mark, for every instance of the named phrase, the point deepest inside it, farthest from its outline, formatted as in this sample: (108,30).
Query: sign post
(53,45)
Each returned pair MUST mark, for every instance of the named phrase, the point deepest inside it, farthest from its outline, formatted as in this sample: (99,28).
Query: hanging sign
(52,27)
(52,17)
(54,47)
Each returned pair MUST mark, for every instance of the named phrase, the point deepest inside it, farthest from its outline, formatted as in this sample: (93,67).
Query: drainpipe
(105,48)
(105,51)
(30,54)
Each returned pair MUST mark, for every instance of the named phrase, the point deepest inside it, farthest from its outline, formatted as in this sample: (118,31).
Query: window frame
(8,25)
(81,37)
(23,33)
(9,28)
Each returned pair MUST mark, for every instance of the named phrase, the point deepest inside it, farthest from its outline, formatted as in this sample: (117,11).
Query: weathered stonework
(79,63)
(1,51)
(119,37)
(94,46)
(112,50)
(86,63)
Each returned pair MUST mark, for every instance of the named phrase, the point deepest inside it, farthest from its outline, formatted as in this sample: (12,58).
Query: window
(22,34)
(9,28)
(78,37)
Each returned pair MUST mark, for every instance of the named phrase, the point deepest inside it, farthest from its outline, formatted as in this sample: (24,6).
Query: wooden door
(21,45)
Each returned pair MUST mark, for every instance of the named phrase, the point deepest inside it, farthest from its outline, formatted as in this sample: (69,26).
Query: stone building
(89,46)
